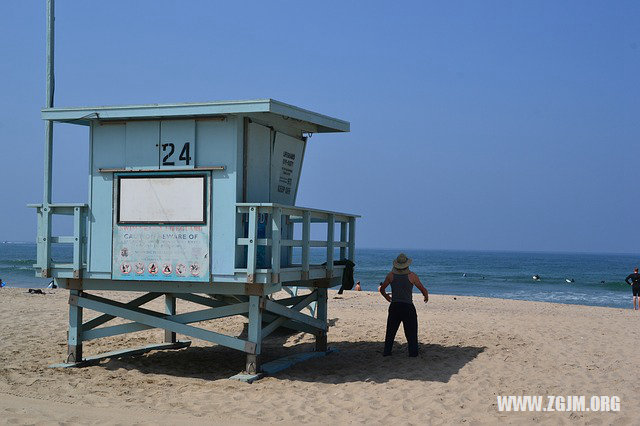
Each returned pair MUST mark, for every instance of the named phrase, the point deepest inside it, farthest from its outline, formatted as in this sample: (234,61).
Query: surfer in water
(634,281)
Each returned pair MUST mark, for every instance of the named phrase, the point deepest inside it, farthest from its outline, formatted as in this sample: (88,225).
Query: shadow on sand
(354,362)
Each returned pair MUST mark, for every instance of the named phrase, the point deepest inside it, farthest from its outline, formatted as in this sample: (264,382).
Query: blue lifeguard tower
(194,202)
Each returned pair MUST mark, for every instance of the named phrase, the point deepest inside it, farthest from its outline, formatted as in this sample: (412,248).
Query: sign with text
(285,168)
(161,253)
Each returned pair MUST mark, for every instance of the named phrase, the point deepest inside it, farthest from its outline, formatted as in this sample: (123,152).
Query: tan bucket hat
(401,263)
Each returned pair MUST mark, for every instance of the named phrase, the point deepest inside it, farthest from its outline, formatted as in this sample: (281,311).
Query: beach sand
(472,349)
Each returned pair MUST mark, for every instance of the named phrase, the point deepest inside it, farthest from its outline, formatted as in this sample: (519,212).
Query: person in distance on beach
(358,287)
(401,309)
(634,281)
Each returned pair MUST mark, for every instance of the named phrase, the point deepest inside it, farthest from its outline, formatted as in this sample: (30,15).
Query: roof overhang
(84,115)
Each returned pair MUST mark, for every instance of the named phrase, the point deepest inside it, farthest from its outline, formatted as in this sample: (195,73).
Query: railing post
(77,242)
(251,248)
(306,236)
(343,239)
(276,234)
(40,263)
(352,238)
(331,222)
(44,238)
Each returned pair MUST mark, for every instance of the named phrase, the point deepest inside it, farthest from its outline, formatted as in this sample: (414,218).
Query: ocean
(598,278)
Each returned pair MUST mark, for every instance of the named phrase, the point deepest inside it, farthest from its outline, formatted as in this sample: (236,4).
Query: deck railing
(45,266)
(278,237)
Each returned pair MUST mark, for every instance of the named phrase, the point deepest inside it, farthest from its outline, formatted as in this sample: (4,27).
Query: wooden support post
(254,334)
(74,345)
(169,309)
(321,310)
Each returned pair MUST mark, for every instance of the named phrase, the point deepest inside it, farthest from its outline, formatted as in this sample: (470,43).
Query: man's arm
(384,285)
(627,279)
(416,281)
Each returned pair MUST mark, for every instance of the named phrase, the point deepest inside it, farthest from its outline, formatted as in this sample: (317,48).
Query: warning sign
(161,253)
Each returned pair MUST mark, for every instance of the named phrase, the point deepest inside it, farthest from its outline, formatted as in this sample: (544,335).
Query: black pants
(404,313)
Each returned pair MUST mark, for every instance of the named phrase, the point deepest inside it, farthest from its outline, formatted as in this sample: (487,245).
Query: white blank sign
(162,200)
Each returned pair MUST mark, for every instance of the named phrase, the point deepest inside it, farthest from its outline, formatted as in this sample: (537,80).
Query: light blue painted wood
(294,315)
(102,319)
(78,238)
(108,150)
(185,318)
(278,365)
(246,378)
(141,147)
(330,237)
(352,239)
(321,123)
(170,310)
(74,338)
(273,325)
(216,144)
(124,353)
(177,133)
(276,232)
(138,315)
(255,322)
(252,246)
(258,163)
(343,240)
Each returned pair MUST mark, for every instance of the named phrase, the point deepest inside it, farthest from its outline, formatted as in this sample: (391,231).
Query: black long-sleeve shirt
(635,279)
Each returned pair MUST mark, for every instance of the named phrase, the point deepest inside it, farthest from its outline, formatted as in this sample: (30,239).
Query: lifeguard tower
(196,202)
(193,202)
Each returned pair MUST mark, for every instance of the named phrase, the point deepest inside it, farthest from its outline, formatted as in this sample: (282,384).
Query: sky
(475,125)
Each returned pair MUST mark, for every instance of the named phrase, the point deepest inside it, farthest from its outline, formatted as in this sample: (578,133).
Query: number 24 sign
(169,154)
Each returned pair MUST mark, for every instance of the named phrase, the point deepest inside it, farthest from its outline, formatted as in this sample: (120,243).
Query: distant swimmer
(464,275)
(570,280)
(634,281)
(536,277)
(602,282)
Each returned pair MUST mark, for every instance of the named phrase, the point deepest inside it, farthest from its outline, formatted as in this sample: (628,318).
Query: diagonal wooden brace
(156,320)
(96,322)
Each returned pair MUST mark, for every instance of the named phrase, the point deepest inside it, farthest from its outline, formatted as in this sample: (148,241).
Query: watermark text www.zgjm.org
(598,403)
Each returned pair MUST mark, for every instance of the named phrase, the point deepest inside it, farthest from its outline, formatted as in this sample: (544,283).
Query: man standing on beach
(401,309)
(634,281)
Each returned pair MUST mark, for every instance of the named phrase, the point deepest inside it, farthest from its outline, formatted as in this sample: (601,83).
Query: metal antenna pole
(48,132)
(45,246)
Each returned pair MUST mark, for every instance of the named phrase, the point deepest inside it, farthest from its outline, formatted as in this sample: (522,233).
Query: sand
(472,349)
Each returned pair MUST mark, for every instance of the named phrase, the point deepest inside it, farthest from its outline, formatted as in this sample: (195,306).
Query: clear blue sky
(475,124)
